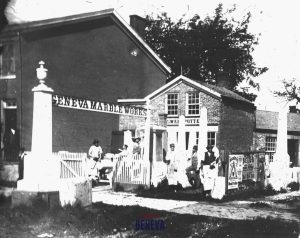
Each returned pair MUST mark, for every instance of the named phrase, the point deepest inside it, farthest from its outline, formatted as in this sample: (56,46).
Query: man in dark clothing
(210,158)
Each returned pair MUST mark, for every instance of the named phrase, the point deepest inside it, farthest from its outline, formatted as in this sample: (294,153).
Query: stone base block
(19,197)
(38,185)
(72,191)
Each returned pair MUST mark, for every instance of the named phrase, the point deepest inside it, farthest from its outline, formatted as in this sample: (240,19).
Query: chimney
(138,24)
(222,79)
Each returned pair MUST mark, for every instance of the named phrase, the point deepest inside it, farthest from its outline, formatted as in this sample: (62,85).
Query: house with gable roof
(231,118)
(95,56)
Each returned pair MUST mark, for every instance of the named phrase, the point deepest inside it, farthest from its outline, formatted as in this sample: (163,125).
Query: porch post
(147,144)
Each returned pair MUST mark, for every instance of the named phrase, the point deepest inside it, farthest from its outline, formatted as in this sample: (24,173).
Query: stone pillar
(279,168)
(40,169)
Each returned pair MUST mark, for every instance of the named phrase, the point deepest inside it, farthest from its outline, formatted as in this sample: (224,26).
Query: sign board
(97,106)
(190,121)
(235,171)
(248,166)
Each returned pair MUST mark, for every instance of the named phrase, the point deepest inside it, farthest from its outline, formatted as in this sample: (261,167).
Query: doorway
(293,152)
(9,144)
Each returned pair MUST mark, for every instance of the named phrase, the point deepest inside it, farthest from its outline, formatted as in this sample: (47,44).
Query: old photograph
(147,118)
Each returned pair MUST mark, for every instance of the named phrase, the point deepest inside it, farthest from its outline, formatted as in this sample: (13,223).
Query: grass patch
(102,220)
(260,205)
(294,186)
(166,191)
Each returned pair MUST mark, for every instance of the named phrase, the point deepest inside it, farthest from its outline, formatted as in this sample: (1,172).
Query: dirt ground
(101,220)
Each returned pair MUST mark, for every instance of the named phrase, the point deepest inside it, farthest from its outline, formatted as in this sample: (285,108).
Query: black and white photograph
(148,118)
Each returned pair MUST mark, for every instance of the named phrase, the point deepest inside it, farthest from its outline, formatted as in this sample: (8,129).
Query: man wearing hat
(209,157)
(136,145)
(171,160)
(210,169)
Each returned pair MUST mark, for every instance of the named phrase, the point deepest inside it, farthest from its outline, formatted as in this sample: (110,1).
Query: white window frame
(187,104)
(12,61)
(212,139)
(167,104)
(197,137)
(271,142)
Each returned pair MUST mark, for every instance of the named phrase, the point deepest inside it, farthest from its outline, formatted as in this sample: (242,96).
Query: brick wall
(212,104)
(236,126)
(158,107)
(89,60)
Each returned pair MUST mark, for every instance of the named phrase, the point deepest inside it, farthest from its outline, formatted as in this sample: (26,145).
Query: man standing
(170,158)
(210,169)
(210,158)
(94,157)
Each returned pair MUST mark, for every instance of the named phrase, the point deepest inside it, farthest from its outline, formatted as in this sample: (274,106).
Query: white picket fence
(295,174)
(130,169)
(72,165)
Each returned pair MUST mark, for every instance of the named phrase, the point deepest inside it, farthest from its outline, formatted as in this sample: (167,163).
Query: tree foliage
(3,20)
(291,90)
(199,48)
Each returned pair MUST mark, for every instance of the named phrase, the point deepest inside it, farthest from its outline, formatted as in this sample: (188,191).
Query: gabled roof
(186,80)
(268,120)
(213,90)
(15,29)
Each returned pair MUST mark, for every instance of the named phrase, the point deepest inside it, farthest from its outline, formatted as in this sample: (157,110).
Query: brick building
(95,56)
(265,134)
(231,118)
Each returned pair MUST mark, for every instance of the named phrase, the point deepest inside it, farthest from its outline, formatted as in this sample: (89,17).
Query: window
(193,107)
(172,104)
(271,144)
(7,61)
(211,138)
(271,147)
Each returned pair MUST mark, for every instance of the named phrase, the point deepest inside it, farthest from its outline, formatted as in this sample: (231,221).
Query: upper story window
(7,61)
(193,106)
(271,144)
(172,104)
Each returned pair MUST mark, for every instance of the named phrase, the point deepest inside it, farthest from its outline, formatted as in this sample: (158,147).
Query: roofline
(133,32)
(30,26)
(176,80)
(133,100)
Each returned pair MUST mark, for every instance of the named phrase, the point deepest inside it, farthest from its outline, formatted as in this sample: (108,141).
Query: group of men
(97,166)
(199,168)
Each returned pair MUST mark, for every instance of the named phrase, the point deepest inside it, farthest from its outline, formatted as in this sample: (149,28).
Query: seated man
(192,171)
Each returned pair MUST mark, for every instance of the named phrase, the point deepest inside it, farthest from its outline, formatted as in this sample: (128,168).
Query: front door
(9,134)
(293,151)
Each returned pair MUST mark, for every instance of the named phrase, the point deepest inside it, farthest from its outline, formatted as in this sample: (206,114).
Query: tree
(3,20)
(291,90)
(199,49)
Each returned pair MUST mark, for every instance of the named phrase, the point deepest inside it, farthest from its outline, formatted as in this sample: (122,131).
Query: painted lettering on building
(97,106)
(188,121)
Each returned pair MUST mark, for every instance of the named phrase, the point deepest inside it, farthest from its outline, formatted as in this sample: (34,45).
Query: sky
(275,21)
